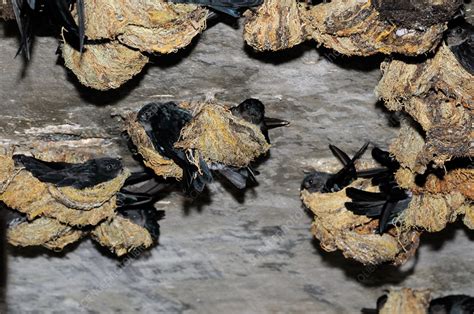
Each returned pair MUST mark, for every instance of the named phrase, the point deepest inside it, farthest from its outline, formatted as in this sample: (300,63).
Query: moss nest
(59,216)
(339,229)
(214,133)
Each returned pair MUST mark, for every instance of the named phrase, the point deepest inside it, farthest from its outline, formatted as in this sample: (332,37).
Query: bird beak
(272,123)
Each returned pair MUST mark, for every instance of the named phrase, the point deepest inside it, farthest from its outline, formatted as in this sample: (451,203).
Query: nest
(43,231)
(407,300)
(148,26)
(121,235)
(125,29)
(38,200)
(6,11)
(354,27)
(437,93)
(350,27)
(214,132)
(58,216)
(162,166)
(104,66)
(221,137)
(339,229)
(276,25)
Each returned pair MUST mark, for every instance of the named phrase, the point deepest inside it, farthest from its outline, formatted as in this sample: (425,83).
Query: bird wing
(61,12)
(339,154)
(238,180)
(82,24)
(23,20)
(360,195)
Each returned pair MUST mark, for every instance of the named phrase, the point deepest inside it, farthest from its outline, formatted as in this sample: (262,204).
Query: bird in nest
(163,123)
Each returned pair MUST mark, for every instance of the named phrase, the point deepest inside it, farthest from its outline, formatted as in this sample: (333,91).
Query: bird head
(251,110)
(315,181)
(147,112)
(109,166)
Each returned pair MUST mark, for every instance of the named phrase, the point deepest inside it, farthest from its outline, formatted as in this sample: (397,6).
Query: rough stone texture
(250,253)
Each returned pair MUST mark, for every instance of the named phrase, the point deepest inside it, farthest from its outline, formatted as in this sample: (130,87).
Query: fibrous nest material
(43,231)
(221,137)
(439,200)
(407,300)
(59,216)
(121,235)
(339,229)
(105,66)
(149,26)
(121,31)
(354,27)
(214,132)
(438,94)
(6,10)
(162,166)
(350,27)
(276,25)
(43,199)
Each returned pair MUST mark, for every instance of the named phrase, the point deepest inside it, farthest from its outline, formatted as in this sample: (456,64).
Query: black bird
(146,217)
(230,7)
(163,123)
(324,182)
(139,208)
(460,39)
(58,13)
(419,14)
(385,205)
(452,304)
(136,200)
(253,110)
(79,176)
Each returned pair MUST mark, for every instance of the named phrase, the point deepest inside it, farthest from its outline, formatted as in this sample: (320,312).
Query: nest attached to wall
(438,94)
(121,235)
(354,27)
(276,25)
(214,132)
(130,28)
(44,231)
(350,27)
(407,300)
(58,216)
(440,200)
(162,166)
(105,66)
(6,11)
(219,136)
(43,199)
(339,229)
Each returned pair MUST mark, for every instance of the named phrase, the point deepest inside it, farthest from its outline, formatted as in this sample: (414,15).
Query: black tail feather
(360,195)
(339,154)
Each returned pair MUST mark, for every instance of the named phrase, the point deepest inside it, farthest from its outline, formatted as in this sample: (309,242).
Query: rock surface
(231,253)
